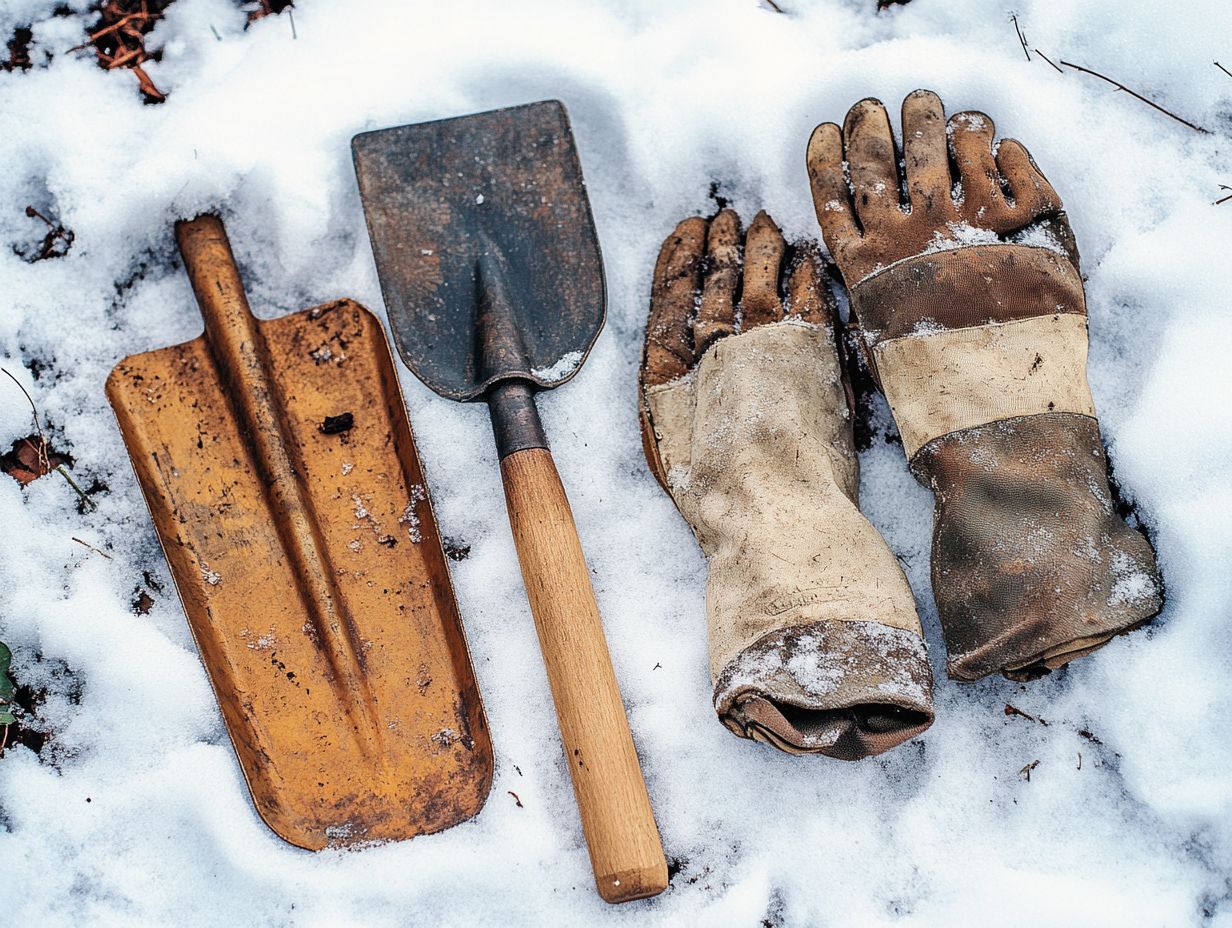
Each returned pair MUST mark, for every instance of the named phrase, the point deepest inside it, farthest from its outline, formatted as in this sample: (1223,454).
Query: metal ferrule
(515,420)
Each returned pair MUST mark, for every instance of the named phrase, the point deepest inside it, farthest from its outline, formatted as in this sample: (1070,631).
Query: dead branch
(56,234)
(88,503)
(1014,710)
(1223,69)
(86,544)
(1021,38)
(44,462)
(1049,60)
(1133,93)
(118,39)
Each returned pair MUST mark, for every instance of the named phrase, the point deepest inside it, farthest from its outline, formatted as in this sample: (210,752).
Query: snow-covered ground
(136,813)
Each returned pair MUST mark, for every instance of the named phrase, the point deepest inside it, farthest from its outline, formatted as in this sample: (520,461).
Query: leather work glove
(972,317)
(815,645)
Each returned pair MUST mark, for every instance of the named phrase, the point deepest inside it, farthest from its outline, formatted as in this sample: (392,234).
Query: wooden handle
(625,850)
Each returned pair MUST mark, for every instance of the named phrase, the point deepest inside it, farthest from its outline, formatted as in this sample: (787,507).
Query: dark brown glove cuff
(1031,565)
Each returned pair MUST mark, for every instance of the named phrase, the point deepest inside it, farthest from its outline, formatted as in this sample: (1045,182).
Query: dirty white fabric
(755,442)
(950,379)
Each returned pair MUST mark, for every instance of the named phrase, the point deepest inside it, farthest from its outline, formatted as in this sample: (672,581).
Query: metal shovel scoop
(491,273)
(279,466)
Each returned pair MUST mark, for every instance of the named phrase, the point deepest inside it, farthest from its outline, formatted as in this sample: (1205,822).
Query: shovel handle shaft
(625,850)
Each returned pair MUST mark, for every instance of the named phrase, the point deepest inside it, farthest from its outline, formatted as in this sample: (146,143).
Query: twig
(44,461)
(1223,69)
(146,85)
(1119,86)
(1021,38)
(105,31)
(1079,760)
(119,40)
(1049,60)
(774,6)
(1014,710)
(91,547)
(55,233)
(291,16)
(120,61)
(1026,771)
(85,497)
(1224,199)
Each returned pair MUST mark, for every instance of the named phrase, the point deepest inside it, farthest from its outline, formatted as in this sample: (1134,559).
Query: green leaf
(7,717)
(7,689)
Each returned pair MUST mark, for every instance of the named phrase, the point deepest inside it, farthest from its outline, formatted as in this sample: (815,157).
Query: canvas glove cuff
(815,645)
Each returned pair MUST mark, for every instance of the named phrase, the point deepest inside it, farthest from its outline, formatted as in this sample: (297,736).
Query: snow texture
(136,812)
(565,365)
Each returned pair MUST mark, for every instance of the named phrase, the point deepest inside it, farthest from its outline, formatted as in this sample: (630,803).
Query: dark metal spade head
(485,247)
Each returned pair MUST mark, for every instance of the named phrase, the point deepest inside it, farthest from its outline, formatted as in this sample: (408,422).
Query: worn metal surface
(283,479)
(485,246)
(515,419)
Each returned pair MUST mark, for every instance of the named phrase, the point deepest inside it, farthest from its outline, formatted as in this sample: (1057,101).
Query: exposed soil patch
(143,602)
(19,51)
(118,37)
(456,549)
(268,8)
(31,729)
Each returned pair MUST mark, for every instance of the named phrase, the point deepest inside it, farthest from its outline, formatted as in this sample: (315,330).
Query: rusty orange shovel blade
(280,470)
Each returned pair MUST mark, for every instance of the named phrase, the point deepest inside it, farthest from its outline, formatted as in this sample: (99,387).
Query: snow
(136,812)
(565,365)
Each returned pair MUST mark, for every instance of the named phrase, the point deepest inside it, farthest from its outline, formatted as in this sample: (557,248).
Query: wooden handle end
(628,885)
